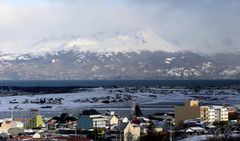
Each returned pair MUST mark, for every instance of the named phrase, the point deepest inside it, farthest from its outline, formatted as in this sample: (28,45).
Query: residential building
(221,113)
(112,120)
(192,110)
(62,121)
(232,109)
(37,136)
(232,113)
(23,120)
(205,113)
(5,124)
(194,130)
(89,119)
(17,124)
(125,132)
(214,113)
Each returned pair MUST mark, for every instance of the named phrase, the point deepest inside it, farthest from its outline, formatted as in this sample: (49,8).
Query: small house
(125,132)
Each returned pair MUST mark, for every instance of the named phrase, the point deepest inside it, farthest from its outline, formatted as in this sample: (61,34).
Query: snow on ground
(119,97)
(68,101)
(196,138)
(171,97)
(205,137)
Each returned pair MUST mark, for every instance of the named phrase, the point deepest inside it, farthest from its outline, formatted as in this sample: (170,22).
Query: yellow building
(126,132)
(204,110)
(190,110)
(35,122)
(113,120)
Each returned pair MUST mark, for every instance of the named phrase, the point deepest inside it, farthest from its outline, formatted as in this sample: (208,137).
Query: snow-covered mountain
(114,42)
(141,55)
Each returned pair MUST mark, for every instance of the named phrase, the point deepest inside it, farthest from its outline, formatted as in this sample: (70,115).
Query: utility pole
(170,138)
(12,115)
(170,132)
(120,136)
(75,131)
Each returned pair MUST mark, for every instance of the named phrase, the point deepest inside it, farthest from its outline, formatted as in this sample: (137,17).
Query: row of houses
(115,127)
(91,124)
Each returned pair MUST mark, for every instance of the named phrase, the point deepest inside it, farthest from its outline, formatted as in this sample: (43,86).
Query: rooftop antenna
(2,89)
(133,105)
(1,86)
(12,114)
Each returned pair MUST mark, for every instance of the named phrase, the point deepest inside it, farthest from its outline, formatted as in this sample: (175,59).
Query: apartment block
(192,110)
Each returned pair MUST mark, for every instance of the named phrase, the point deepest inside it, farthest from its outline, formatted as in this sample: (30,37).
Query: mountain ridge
(129,65)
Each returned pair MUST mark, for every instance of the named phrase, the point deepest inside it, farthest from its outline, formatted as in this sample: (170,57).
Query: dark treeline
(34,90)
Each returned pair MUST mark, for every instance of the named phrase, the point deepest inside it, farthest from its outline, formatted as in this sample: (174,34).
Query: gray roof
(90,112)
(120,127)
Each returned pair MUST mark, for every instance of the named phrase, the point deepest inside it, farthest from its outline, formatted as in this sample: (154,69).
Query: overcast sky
(196,25)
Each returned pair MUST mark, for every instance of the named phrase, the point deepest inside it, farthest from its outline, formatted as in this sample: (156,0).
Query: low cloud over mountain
(140,55)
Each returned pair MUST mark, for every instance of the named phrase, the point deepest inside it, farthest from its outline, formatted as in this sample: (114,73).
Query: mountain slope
(131,65)
(141,55)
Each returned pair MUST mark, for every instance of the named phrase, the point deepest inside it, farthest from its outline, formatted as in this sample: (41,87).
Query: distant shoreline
(120,83)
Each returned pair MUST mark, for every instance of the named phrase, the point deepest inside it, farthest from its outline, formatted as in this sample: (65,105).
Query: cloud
(70,18)
(200,26)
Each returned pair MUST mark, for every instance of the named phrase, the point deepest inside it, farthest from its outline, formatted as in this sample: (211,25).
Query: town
(119,70)
(188,121)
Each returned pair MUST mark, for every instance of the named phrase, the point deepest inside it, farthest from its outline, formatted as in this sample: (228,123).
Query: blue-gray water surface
(119,83)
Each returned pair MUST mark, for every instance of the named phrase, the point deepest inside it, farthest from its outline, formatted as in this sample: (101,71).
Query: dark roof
(90,112)
(121,126)
(63,118)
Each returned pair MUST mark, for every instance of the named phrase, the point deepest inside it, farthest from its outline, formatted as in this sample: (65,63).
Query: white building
(220,113)
(91,119)
(17,124)
(214,113)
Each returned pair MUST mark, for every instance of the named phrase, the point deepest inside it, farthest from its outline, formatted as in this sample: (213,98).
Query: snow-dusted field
(205,137)
(196,138)
(118,97)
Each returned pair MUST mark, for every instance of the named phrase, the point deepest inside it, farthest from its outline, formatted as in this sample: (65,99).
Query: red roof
(73,138)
